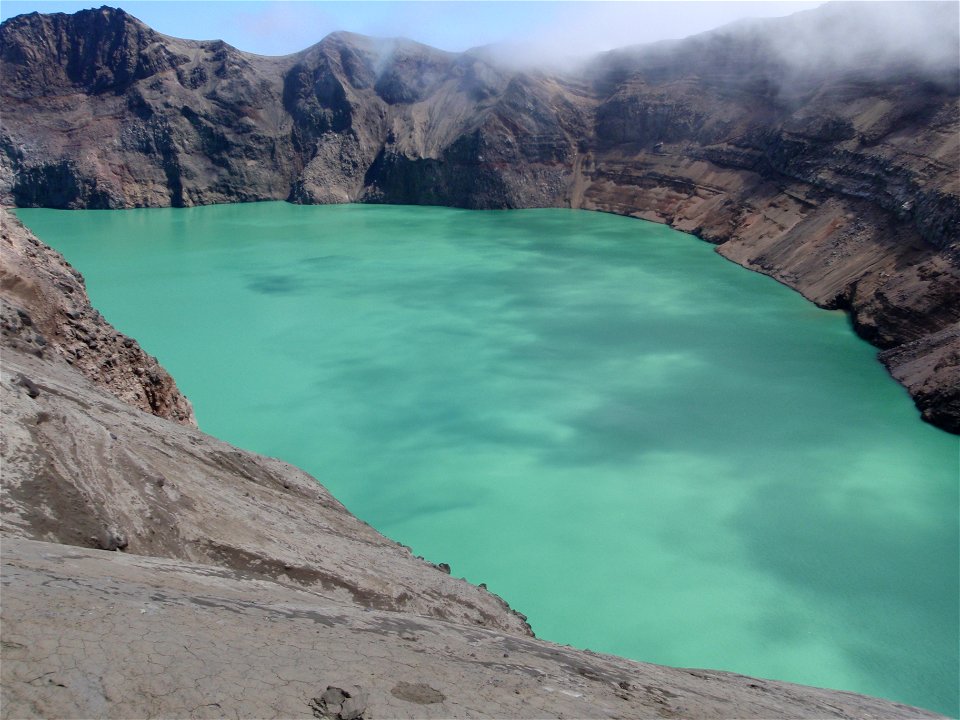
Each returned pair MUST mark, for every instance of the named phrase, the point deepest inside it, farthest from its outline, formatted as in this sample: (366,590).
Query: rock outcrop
(151,570)
(835,174)
(45,311)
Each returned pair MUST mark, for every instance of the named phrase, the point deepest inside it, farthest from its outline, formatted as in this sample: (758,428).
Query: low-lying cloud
(864,35)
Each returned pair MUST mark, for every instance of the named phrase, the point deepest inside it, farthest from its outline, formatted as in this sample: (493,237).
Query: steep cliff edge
(45,311)
(238,587)
(836,172)
(825,161)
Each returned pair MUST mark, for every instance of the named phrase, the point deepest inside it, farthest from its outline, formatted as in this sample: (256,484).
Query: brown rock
(419,693)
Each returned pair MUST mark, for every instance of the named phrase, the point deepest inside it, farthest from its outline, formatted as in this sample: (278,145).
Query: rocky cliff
(45,311)
(150,570)
(834,171)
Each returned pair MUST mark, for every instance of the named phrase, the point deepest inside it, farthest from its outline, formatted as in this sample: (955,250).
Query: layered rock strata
(238,587)
(837,175)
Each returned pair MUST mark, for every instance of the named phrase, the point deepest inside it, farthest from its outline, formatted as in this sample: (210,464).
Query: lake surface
(643,447)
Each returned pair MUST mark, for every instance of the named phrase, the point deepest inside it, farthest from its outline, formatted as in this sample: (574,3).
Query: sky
(553,28)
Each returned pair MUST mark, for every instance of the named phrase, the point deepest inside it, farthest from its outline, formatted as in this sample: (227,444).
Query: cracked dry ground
(89,633)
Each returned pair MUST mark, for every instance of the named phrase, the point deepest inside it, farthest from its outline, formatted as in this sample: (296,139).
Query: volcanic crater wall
(840,179)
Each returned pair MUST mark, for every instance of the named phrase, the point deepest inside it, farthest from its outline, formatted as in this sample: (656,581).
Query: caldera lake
(644,448)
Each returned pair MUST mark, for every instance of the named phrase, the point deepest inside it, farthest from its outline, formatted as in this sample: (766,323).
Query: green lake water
(643,447)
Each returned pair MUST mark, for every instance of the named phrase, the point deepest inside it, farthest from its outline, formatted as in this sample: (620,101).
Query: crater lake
(643,447)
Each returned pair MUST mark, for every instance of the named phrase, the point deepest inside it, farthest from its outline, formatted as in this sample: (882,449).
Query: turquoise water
(646,449)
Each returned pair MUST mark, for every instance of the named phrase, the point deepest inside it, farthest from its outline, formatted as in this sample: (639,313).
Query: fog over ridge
(871,37)
(848,34)
(549,36)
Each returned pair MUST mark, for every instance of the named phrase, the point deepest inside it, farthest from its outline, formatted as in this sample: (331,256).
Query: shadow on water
(272,284)
(877,561)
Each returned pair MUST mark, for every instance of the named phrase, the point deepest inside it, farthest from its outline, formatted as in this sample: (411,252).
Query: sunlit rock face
(827,163)
(45,311)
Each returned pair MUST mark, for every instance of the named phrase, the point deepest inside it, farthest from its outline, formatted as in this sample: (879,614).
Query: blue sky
(545,28)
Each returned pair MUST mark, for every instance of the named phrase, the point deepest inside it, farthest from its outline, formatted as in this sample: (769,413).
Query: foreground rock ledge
(89,633)
(246,589)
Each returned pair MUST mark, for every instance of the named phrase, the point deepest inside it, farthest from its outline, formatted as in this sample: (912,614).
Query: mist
(550,35)
(534,32)
(560,35)
(522,33)
(875,36)
(808,37)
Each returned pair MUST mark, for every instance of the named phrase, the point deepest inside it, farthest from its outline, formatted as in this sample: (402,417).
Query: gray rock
(32,390)
(111,539)
(354,707)
(419,693)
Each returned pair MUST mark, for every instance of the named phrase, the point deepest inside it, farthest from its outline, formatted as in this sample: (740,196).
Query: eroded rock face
(45,311)
(837,177)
